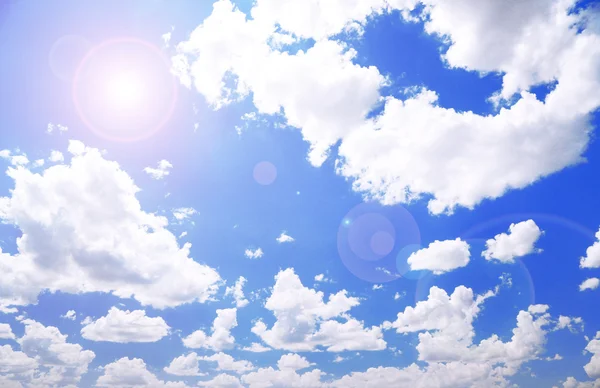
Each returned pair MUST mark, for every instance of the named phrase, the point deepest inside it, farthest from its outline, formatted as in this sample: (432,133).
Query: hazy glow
(123,89)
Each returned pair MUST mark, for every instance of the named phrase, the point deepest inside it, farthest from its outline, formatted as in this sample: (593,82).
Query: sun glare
(123,90)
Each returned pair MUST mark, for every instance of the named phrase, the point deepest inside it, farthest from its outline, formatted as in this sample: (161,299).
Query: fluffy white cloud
(237,292)
(56,127)
(292,361)
(126,326)
(71,315)
(320,278)
(592,254)
(441,256)
(15,160)
(254,254)
(284,238)
(593,367)
(186,365)
(227,363)
(131,373)
(286,374)
(222,380)
(519,241)
(220,338)
(6,331)
(414,148)
(76,238)
(162,170)
(304,322)
(183,213)
(16,364)
(64,362)
(56,157)
(589,284)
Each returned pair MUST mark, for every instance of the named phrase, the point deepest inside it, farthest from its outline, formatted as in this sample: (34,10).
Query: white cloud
(222,380)
(444,324)
(441,256)
(398,295)
(71,314)
(38,163)
(589,284)
(56,127)
(574,324)
(15,160)
(227,363)
(321,278)
(56,157)
(237,291)
(161,171)
(304,322)
(286,374)
(184,213)
(126,326)
(254,254)
(64,362)
(377,287)
(519,241)
(592,254)
(6,331)
(592,368)
(256,348)
(415,148)
(186,365)
(16,364)
(76,238)
(284,238)
(292,361)
(130,373)
(220,337)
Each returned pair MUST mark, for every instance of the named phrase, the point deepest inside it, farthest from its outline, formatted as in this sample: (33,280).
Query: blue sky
(299,194)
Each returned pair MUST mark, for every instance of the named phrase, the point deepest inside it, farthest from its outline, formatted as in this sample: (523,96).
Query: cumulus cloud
(64,362)
(589,284)
(414,148)
(519,241)
(286,374)
(6,331)
(227,363)
(14,159)
(254,254)
(132,373)
(162,170)
(76,238)
(237,292)
(56,157)
(305,322)
(71,315)
(125,326)
(186,365)
(284,238)
(441,256)
(220,337)
(592,254)
(222,380)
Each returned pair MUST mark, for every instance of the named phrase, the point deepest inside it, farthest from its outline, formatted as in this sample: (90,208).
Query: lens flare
(123,89)
(370,237)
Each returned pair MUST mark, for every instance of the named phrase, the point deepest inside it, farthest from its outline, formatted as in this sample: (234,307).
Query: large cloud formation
(414,148)
(83,230)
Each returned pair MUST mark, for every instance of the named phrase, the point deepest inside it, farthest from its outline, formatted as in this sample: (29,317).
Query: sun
(123,89)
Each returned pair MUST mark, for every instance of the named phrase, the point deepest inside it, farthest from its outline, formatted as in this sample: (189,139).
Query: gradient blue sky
(212,173)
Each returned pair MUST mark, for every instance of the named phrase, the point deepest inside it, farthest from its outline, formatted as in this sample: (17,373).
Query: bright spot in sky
(123,89)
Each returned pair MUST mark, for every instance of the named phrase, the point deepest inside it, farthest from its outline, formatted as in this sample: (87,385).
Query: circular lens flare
(123,89)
